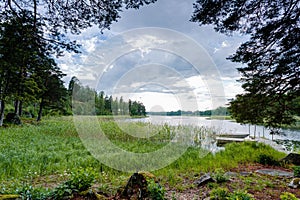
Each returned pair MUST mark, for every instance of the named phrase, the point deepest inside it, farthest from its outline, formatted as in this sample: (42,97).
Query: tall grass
(53,147)
(47,148)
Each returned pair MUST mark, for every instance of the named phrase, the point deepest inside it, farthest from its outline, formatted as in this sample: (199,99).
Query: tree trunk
(2,106)
(20,108)
(254,131)
(17,103)
(39,117)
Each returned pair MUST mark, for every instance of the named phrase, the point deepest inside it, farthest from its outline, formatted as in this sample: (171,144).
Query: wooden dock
(238,135)
(221,141)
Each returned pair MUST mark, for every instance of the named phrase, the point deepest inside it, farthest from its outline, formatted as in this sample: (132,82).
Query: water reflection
(288,138)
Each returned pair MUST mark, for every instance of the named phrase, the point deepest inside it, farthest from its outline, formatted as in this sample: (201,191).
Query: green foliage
(288,196)
(29,192)
(297,171)
(220,176)
(240,195)
(80,180)
(136,108)
(87,101)
(29,74)
(224,194)
(271,69)
(156,191)
(219,194)
(88,13)
(51,149)
(265,159)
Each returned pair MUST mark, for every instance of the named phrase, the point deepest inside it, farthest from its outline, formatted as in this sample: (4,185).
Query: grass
(45,154)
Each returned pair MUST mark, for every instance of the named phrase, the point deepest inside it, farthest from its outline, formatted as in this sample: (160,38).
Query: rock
(235,174)
(295,183)
(206,178)
(274,172)
(231,174)
(245,173)
(13,118)
(292,158)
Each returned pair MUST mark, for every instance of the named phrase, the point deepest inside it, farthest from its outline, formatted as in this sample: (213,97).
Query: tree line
(220,111)
(87,101)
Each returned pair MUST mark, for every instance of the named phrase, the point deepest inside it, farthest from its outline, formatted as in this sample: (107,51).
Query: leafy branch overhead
(271,56)
(72,16)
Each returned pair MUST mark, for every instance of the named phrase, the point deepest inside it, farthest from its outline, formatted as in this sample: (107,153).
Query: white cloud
(225,44)
(159,88)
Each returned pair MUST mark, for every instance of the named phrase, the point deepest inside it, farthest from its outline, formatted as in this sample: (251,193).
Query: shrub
(219,194)
(265,159)
(219,176)
(156,191)
(239,195)
(29,192)
(297,171)
(288,196)
(80,180)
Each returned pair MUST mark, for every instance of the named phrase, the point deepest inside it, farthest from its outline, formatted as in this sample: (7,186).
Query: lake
(288,138)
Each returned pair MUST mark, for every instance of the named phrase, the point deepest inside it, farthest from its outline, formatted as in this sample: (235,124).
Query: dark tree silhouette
(271,55)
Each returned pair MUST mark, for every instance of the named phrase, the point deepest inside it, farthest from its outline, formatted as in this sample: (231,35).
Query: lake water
(222,126)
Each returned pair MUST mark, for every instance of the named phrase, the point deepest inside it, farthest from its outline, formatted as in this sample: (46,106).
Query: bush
(29,192)
(297,171)
(265,159)
(80,180)
(288,196)
(219,176)
(219,194)
(239,195)
(156,191)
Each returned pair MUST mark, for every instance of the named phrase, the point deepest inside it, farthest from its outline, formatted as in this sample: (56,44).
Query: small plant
(297,171)
(29,192)
(156,191)
(212,185)
(173,196)
(265,159)
(288,196)
(219,176)
(240,195)
(80,180)
(219,194)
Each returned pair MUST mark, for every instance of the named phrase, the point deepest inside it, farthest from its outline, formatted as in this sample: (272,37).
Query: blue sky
(157,56)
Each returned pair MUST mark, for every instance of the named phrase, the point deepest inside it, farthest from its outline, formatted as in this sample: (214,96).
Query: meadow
(45,154)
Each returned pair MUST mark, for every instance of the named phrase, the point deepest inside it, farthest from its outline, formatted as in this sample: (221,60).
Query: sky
(157,56)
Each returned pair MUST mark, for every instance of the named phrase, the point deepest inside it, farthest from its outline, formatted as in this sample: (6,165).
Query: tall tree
(271,55)
(53,93)
(27,68)
(19,50)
